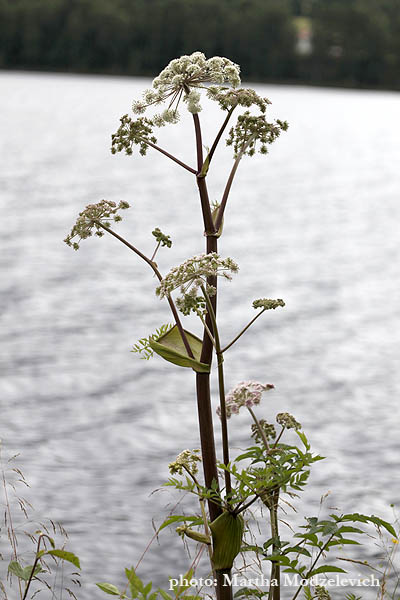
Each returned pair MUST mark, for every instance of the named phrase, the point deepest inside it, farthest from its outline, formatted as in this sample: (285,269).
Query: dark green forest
(329,42)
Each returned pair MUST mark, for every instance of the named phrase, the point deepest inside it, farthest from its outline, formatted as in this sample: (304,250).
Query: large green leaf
(23,572)
(64,555)
(326,569)
(171,347)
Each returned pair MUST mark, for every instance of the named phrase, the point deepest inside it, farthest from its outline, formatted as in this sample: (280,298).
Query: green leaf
(307,593)
(372,519)
(64,555)
(170,346)
(385,524)
(147,588)
(303,438)
(297,550)
(164,595)
(136,584)
(187,577)
(23,572)
(176,519)
(109,588)
(15,568)
(326,569)
(348,529)
(310,537)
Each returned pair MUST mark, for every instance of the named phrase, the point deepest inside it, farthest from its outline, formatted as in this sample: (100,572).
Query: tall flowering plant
(226,491)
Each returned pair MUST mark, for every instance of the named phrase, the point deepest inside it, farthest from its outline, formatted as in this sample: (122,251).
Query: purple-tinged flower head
(245,393)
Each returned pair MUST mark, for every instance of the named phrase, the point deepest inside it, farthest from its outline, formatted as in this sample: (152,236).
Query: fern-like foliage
(143,345)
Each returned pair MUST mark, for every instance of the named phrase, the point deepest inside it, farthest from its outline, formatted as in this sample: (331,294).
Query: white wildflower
(182,76)
(194,272)
(187,460)
(95,216)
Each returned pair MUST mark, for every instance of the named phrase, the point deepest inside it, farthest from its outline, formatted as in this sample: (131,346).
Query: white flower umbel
(187,460)
(179,80)
(193,273)
(245,393)
(92,218)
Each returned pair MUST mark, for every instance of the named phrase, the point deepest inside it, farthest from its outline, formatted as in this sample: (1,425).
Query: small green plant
(270,472)
(34,561)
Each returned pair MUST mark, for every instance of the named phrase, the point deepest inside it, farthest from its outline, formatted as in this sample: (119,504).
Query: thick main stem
(224,592)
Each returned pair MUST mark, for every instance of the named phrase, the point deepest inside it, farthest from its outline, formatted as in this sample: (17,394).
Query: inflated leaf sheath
(171,347)
(227,533)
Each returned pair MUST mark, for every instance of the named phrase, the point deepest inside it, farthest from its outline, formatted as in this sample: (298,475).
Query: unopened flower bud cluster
(191,302)
(268,429)
(92,218)
(245,393)
(250,130)
(267,303)
(161,238)
(321,593)
(287,421)
(187,460)
(228,98)
(194,272)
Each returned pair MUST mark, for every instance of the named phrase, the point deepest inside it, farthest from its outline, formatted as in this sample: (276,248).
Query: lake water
(316,223)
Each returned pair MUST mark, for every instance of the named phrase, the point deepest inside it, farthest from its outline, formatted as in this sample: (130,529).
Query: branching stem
(307,575)
(153,266)
(218,136)
(243,331)
(171,156)
(228,186)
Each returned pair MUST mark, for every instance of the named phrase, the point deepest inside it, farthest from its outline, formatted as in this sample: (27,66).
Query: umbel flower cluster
(181,79)
(194,272)
(250,130)
(94,217)
(287,421)
(268,304)
(187,460)
(161,238)
(267,428)
(245,393)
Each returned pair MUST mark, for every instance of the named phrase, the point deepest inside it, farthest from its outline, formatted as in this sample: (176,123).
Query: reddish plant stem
(199,143)
(219,134)
(224,592)
(171,156)
(209,227)
(228,186)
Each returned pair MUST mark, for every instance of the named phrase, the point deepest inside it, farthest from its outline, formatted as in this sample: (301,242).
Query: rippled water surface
(316,222)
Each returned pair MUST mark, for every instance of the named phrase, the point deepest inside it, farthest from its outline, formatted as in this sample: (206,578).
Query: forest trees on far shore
(351,42)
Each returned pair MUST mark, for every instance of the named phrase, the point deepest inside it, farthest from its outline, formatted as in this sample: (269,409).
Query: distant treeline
(337,42)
